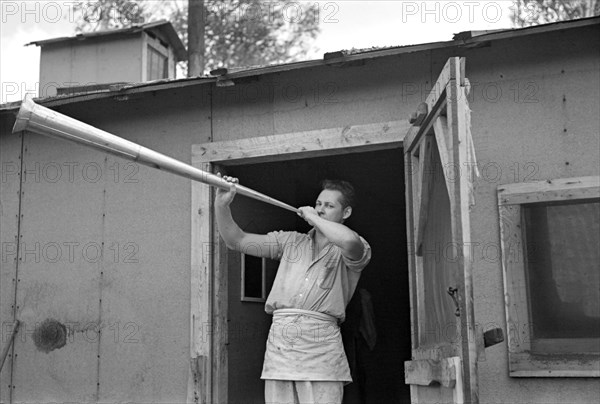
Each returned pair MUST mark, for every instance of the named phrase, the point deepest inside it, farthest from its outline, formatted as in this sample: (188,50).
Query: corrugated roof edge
(116,91)
(330,58)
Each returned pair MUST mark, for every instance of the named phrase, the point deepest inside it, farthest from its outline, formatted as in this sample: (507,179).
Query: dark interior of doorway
(380,218)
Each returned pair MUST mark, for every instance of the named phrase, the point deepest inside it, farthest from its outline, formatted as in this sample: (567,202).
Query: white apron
(305,345)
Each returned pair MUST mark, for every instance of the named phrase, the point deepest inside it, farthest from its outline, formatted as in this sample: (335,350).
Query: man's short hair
(346,189)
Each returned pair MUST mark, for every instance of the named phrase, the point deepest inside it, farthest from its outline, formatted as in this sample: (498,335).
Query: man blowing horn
(318,273)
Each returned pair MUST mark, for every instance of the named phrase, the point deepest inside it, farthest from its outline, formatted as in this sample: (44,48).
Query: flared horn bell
(35,118)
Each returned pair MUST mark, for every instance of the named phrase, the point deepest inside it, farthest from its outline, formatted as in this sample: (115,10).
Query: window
(258,275)
(158,65)
(551,261)
(253,279)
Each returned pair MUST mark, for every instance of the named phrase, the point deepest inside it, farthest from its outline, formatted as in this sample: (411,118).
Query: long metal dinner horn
(44,121)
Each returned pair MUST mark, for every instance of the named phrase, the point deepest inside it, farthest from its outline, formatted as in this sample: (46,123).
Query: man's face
(329,206)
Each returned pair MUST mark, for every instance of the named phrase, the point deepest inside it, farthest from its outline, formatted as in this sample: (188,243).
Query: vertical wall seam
(17,260)
(101,282)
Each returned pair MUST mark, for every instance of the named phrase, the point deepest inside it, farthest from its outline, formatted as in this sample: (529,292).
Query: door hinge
(453,292)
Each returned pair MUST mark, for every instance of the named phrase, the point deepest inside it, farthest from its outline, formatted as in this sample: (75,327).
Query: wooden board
(558,189)
(201,334)
(459,123)
(439,267)
(428,372)
(436,101)
(436,381)
(321,142)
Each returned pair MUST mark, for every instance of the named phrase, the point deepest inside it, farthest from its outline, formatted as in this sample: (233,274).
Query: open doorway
(378,177)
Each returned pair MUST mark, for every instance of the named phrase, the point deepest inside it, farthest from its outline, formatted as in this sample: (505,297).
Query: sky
(344,24)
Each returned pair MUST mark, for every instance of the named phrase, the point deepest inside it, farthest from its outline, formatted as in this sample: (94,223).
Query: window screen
(563,268)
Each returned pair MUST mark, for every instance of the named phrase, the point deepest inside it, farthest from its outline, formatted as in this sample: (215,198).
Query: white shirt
(324,284)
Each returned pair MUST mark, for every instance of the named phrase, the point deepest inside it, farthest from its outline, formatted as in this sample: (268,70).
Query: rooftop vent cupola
(95,60)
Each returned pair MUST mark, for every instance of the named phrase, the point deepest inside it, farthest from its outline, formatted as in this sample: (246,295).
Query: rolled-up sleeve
(362,262)
(277,242)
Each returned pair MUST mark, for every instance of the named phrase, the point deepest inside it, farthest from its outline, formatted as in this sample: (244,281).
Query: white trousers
(303,392)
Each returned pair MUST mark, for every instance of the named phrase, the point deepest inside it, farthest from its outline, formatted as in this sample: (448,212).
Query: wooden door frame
(448,94)
(208,373)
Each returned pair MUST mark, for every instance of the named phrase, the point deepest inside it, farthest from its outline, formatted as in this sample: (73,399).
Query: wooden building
(482,215)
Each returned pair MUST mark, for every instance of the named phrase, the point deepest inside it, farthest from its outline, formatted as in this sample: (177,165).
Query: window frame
(522,362)
(263,293)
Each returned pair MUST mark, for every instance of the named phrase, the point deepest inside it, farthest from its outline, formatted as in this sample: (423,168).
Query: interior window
(253,277)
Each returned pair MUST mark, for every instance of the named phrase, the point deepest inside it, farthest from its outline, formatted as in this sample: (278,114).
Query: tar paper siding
(90,62)
(10,149)
(325,97)
(129,311)
(539,120)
